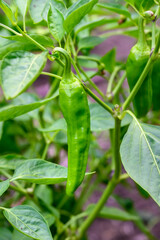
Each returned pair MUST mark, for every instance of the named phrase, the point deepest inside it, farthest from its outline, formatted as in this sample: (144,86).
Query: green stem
(31,39)
(45,150)
(90,81)
(112,184)
(119,85)
(111,80)
(51,75)
(10,29)
(143,75)
(141,34)
(153,34)
(98,100)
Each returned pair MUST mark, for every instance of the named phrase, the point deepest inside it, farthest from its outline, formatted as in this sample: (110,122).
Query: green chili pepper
(156,86)
(136,63)
(75,109)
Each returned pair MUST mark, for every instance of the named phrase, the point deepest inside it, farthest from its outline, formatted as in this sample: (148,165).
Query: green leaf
(8,11)
(40,172)
(11,111)
(89,42)
(140,154)
(76,12)
(19,70)
(29,222)
(112,213)
(93,24)
(116,8)
(55,23)
(44,193)
(5,234)
(39,9)
(4,186)
(36,9)
(10,161)
(1,129)
(18,235)
(60,124)
(141,5)
(109,60)
(23,6)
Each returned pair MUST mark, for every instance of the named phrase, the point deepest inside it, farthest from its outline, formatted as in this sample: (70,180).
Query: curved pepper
(75,109)
(136,63)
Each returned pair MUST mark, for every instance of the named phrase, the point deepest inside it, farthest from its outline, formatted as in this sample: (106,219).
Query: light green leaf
(29,222)
(140,154)
(7,10)
(10,161)
(89,42)
(40,172)
(109,60)
(23,6)
(19,70)
(93,24)
(36,9)
(11,111)
(141,5)
(5,234)
(58,4)
(4,186)
(76,12)
(112,213)
(60,124)
(117,8)
(55,23)
(18,235)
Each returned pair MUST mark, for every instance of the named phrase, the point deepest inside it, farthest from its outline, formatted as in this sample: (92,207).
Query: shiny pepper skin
(136,63)
(75,109)
(156,86)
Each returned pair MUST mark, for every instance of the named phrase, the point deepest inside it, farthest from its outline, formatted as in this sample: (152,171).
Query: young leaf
(23,6)
(89,42)
(4,186)
(40,172)
(11,111)
(28,221)
(140,151)
(7,10)
(19,70)
(76,12)
(117,8)
(109,60)
(112,213)
(55,23)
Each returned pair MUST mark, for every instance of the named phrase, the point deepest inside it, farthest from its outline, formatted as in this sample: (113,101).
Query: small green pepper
(136,63)
(75,109)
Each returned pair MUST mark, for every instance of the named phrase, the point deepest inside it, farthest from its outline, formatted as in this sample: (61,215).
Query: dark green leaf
(76,12)
(55,23)
(4,186)
(117,8)
(90,42)
(19,70)
(109,60)
(112,213)
(140,154)
(40,172)
(11,111)
(28,221)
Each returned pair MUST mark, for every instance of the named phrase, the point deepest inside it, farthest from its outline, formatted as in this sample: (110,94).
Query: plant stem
(45,150)
(89,58)
(118,86)
(51,75)
(91,83)
(153,34)
(111,80)
(143,75)
(30,38)
(112,184)
(98,100)
(10,29)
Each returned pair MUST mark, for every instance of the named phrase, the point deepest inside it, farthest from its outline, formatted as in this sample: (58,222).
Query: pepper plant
(53,40)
